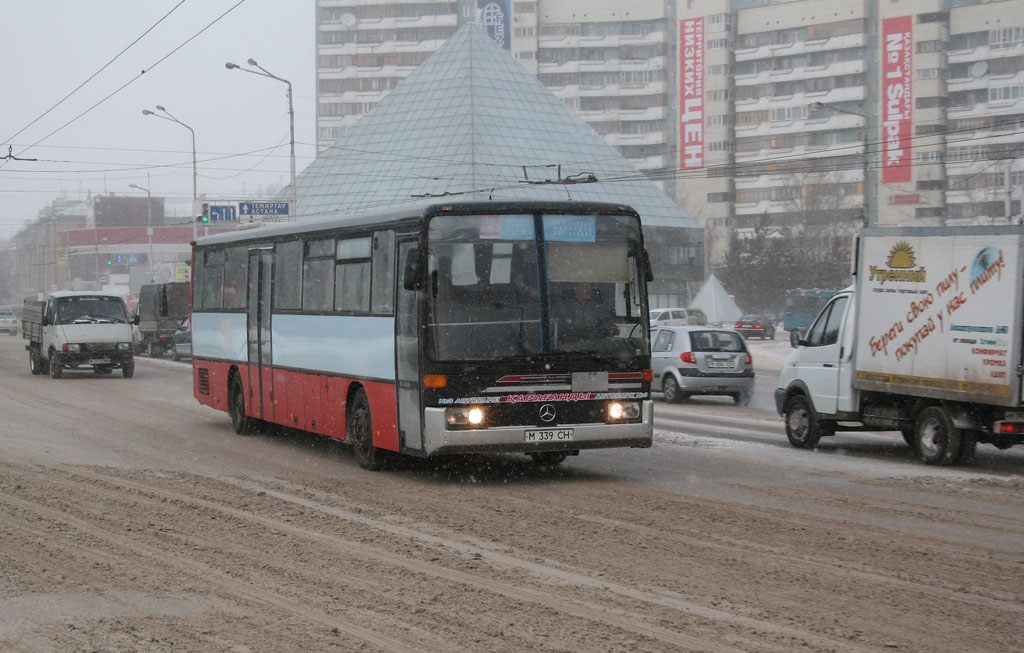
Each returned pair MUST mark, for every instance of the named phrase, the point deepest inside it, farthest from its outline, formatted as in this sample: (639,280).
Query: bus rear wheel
(359,431)
(242,423)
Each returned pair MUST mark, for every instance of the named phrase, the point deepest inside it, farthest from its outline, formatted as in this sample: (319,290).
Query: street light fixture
(263,72)
(170,118)
(149,224)
(869,197)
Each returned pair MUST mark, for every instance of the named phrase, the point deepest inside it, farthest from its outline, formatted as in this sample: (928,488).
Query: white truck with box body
(926,342)
(76,330)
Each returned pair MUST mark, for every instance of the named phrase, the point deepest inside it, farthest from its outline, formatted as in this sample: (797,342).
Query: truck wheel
(803,428)
(34,363)
(242,423)
(909,434)
(128,369)
(968,446)
(174,354)
(56,369)
(938,441)
(359,432)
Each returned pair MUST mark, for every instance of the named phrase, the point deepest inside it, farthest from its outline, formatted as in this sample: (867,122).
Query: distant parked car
(182,340)
(675,316)
(9,323)
(697,360)
(756,325)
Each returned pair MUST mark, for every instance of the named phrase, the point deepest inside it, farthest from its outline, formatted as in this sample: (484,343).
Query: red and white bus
(515,326)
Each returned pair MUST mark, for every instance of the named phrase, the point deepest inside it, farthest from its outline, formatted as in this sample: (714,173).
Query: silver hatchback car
(700,360)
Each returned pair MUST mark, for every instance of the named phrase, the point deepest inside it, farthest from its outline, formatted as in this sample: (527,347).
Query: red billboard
(897,104)
(691,94)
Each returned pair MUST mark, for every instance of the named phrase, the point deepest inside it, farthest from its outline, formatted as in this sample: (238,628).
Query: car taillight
(737,325)
(687,357)
(750,359)
(757,326)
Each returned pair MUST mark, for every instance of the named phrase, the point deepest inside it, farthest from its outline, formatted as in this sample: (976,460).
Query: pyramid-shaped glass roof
(471,123)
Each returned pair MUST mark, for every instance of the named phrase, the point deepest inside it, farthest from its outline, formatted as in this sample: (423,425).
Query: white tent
(716,303)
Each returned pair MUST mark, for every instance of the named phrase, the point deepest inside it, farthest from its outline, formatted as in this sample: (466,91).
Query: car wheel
(803,428)
(670,389)
(938,440)
(741,398)
(242,423)
(549,458)
(128,369)
(359,432)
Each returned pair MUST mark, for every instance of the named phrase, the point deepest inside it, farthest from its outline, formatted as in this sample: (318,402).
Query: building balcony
(649,162)
(800,72)
(650,138)
(984,53)
(605,41)
(764,103)
(800,47)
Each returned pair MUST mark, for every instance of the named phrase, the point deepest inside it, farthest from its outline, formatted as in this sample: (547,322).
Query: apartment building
(747,112)
(851,112)
(609,61)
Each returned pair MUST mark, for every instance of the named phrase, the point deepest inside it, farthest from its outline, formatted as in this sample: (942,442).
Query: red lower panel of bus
(302,400)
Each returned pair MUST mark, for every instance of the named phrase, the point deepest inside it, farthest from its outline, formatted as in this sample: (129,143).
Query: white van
(676,316)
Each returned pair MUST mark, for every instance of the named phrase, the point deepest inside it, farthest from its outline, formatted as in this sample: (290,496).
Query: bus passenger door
(261,388)
(407,351)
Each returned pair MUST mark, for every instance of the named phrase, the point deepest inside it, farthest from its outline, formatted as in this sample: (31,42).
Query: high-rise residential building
(849,112)
(609,61)
(748,112)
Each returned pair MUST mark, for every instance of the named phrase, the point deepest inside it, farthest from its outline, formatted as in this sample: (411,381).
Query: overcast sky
(50,47)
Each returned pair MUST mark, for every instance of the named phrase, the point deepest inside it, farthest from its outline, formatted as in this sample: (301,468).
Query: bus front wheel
(359,431)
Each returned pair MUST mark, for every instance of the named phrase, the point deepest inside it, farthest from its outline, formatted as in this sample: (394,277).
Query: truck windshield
(522,285)
(90,309)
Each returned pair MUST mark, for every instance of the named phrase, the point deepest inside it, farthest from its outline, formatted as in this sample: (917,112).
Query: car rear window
(716,341)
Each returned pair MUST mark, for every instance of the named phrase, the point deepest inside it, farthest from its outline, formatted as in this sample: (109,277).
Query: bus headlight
(464,416)
(623,410)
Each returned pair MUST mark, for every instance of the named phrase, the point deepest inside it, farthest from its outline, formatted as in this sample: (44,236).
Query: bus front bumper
(438,439)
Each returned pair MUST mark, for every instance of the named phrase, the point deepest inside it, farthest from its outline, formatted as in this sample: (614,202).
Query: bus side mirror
(412,276)
(648,270)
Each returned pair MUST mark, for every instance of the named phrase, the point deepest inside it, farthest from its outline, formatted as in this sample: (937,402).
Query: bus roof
(415,213)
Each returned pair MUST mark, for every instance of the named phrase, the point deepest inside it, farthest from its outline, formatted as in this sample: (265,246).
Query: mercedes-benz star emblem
(547,412)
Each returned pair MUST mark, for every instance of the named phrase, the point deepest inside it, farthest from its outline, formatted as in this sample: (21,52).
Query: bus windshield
(521,285)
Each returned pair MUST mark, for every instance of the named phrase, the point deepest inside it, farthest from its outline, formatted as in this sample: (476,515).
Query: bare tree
(806,246)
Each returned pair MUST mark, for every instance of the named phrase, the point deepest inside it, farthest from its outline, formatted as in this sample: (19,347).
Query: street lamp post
(170,118)
(149,225)
(263,72)
(869,195)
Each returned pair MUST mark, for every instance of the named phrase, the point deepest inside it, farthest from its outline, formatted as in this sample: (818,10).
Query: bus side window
(383,272)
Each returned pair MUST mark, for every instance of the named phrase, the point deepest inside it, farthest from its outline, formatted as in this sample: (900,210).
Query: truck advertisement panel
(937,316)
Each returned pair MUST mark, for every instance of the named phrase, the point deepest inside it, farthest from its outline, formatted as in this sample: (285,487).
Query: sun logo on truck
(902,256)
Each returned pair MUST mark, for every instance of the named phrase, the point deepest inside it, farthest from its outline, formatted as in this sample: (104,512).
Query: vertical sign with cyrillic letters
(691,94)
(897,50)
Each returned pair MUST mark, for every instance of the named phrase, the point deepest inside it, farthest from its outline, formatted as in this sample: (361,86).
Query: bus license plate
(98,361)
(549,435)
